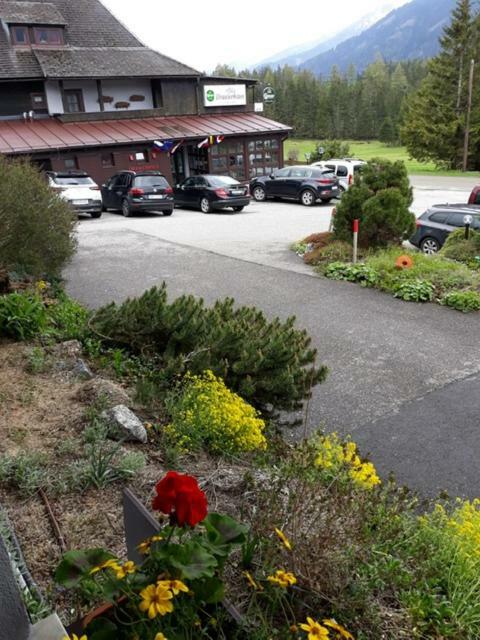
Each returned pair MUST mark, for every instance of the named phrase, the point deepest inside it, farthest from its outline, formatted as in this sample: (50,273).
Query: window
(141,156)
(342,171)
(298,173)
(228,158)
(439,217)
(71,163)
(38,101)
(151,181)
(263,156)
(122,180)
(108,160)
(456,220)
(48,36)
(283,173)
(20,36)
(74,101)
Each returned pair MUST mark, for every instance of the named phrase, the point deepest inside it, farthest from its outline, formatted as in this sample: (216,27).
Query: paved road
(390,362)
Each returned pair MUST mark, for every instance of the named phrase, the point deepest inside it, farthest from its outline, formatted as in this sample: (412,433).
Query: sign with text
(224,95)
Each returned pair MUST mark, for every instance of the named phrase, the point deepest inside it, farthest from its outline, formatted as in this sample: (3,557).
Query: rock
(103,391)
(124,424)
(69,349)
(82,370)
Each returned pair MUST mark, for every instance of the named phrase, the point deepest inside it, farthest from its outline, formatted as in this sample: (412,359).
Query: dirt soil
(45,412)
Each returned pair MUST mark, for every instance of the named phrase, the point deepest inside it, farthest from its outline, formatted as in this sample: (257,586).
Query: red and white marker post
(356,225)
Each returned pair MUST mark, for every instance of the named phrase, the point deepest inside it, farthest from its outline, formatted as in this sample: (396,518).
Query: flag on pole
(176,146)
(163,145)
(210,141)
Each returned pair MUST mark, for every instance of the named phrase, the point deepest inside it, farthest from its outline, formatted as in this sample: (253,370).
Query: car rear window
(150,181)
(73,180)
(222,181)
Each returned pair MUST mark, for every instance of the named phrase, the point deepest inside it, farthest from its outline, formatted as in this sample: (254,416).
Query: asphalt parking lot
(263,231)
(404,378)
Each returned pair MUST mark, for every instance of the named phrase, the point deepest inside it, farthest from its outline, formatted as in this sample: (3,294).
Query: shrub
(207,414)
(386,219)
(22,315)
(414,290)
(361,273)
(331,149)
(68,318)
(270,364)
(380,200)
(462,300)
(37,226)
(456,247)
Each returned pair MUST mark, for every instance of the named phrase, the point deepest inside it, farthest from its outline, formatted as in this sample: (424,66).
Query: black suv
(132,192)
(306,184)
(434,226)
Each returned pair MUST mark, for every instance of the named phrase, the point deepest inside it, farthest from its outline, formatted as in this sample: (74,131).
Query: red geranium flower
(179,496)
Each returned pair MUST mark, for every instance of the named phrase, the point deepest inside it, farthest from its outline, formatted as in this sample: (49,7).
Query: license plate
(156,197)
(237,192)
(80,202)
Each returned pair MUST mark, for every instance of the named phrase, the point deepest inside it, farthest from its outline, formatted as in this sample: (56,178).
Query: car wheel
(259,194)
(96,214)
(341,192)
(168,213)
(126,209)
(205,206)
(430,246)
(238,209)
(307,198)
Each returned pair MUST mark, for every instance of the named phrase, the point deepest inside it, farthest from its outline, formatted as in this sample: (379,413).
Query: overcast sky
(202,34)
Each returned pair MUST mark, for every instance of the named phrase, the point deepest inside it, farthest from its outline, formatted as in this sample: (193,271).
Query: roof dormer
(33,23)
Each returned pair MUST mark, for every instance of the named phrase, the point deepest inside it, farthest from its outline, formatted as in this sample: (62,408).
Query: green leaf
(223,530)
(102,629)
(192,560)
(76,565)
(210,590)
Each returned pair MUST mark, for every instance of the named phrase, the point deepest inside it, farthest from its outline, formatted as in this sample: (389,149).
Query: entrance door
(178,166)
(197,160)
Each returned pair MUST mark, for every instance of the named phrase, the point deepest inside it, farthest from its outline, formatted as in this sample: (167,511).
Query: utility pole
(467,118)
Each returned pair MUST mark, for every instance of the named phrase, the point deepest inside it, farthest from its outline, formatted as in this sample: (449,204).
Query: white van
(345,169)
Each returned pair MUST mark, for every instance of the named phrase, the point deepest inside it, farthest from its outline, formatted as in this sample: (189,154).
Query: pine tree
(434,117)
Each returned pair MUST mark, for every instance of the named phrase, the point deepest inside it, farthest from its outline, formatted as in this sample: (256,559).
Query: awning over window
(19,137)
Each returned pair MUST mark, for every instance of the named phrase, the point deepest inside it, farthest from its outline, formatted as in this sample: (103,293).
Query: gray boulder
(124,425)
(109,393)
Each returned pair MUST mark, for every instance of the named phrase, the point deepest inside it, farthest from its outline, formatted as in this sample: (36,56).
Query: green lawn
(375,149)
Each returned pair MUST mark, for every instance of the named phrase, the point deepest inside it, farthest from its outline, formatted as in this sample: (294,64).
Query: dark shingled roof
(30,13)
(90,26)
(104,62)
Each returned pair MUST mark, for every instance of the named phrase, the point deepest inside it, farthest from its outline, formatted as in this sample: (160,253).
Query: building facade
(79,91)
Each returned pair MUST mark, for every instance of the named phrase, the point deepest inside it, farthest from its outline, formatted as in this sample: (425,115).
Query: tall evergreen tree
(434,117)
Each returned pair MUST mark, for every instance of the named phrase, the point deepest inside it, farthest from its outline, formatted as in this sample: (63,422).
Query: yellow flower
(122,571)
(251,581)
(284,539)
(175,586)
(144,547)
(156,600)
(75,637)
(284,579)
(160,636)
(109,564)
(41,286)
(337,627)
(315,630)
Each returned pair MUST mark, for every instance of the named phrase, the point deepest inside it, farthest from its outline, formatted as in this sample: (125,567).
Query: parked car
(345,169)
(434,226)
(306,184)
(78,189)
(475,196)
(138,192)
(210,192)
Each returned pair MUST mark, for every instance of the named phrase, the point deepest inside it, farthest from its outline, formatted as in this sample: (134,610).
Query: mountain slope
(412,31)
(295,56)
